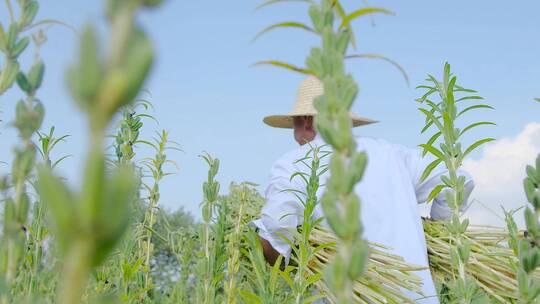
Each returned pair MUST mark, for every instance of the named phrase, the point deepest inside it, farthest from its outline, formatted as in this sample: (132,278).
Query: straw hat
(309,90)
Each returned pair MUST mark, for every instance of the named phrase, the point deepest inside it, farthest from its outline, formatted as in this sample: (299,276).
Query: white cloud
(499,174)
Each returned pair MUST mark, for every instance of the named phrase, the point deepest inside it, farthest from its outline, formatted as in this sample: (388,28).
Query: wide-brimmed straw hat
(309,90)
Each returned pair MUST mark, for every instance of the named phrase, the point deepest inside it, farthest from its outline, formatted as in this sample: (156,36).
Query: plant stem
(77,265)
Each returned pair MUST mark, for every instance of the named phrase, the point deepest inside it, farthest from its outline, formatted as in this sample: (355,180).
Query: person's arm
(281,214)
(270,254)
(416,164)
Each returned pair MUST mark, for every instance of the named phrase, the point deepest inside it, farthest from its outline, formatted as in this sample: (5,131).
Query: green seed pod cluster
(527,248)
(127,136)
(156,167)
(101,86)
(443,115)
(340,203)
(12,45)
(212,255)
(89,224)
(29,114)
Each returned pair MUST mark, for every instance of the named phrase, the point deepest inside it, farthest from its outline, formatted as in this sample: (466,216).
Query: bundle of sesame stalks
(490,262)
(385,277)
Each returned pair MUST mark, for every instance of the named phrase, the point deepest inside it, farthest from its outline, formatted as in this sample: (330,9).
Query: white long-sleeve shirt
(390,192)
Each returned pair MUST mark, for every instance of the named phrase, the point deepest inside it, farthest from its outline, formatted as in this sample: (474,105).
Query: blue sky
(210,98)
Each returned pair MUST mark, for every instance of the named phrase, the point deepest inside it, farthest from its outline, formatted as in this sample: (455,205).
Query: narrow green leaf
(429,169)
(284,65)
(377,56)
(271,2)
(431,141)
(432,150)
(474,125)
(287,24)
(481,106)
(362,12)
(435,192)
(476,145)
(470,98)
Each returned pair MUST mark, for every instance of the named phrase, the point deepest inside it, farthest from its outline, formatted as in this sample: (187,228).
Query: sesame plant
(14,40)
(264,285)
(211,257)
(89,224)
(303,250)
(442,109)
(156,167)
(29,113)
(233,239)
(525,247)
(340,204)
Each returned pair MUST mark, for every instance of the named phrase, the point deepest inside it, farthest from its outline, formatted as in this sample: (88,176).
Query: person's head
(304,129)
(300,119)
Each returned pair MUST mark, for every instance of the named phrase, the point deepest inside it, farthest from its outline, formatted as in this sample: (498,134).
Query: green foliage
(442,116)
(89,224)
(209,269)
(12,45)
(29,114)
(526,247)
(303,251)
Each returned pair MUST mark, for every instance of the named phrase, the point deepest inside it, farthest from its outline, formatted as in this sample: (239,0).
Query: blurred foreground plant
(527,248)
(29,115)
(89,224)
(443,116)
(340,203)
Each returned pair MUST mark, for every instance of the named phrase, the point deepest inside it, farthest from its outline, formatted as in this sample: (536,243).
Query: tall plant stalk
(89,225)
(11,44)
(156,167)
(527,248)
(442,116)
(303,250)
(211,236)
(340,203)
(29,115)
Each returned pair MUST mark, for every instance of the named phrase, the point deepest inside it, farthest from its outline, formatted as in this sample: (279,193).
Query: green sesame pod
(359,258)
(529,189)
(332,215)
(11,36)
(343,41)
(336,273)
(114,215)
(19,47)
(316,19)
(90,71)
(9,216)
(23,83)
(2,38)
(61,202)
(136,66)
(351,221)
(152,3)
(338,179)
(8,75)
(24,204)
(356,171)
(35,76)
(29,13)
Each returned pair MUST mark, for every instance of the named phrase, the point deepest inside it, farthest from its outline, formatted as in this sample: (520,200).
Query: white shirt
(389,192)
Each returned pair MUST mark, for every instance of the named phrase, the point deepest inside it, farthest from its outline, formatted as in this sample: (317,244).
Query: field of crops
(108,240)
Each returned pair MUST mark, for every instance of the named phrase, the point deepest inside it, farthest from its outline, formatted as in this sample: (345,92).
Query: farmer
(390,190)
